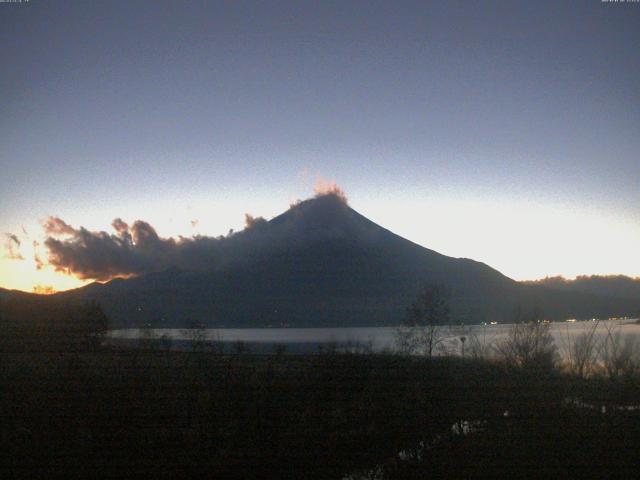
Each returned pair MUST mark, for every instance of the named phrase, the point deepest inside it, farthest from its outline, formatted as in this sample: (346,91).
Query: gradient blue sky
(507,132)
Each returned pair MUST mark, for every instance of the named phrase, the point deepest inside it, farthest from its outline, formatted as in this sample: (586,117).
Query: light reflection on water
(376,338)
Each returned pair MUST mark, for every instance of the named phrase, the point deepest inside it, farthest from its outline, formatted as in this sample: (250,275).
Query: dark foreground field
(125,414)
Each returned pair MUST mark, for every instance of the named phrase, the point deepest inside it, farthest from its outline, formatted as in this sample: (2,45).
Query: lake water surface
(377,339)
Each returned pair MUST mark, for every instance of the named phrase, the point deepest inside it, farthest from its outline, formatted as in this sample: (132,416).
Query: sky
(506,132)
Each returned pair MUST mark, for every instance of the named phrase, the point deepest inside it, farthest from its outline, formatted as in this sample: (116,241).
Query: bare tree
(480,345)
(619,354)
(582,351)
(217,344)
(147,339)
(196,334)
(529,344)
(424,330)
(165,341)
(90,325)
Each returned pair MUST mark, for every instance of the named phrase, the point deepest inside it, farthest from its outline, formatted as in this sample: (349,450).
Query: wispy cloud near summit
(323,187)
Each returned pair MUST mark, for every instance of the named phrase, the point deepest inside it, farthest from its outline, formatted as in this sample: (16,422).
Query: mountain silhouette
(619,286)
(320,264)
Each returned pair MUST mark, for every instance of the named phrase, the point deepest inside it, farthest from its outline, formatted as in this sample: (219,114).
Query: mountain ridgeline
(322,264)
(618,286)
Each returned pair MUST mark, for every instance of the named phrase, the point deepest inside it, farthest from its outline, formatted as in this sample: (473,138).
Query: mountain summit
(321,263)
(323,218)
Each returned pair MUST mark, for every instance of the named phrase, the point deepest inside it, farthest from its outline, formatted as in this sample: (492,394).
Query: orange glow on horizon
(44,290)
(25,276)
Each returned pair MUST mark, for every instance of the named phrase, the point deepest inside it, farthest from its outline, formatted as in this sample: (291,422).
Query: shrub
(530,346)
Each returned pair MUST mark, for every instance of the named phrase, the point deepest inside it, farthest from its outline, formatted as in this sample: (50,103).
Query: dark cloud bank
(137,248)
(132,250)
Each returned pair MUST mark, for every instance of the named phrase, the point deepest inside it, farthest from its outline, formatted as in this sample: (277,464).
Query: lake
(377,339)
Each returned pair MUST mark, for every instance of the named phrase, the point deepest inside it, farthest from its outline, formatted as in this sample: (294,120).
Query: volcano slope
(322,264)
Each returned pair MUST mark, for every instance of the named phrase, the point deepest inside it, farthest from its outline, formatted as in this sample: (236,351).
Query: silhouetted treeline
(40,323)
(619,286)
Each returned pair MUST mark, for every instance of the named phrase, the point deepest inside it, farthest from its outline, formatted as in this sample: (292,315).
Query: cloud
(132,249)
(13,239)
(120,226)
(12,247)
(102,256)
(323,188)
(250,221)
(57,226)
(36,255)
(129,250)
